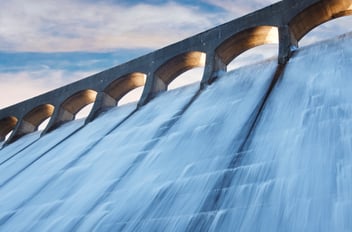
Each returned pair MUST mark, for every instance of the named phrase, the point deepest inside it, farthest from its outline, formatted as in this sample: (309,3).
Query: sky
(45,44)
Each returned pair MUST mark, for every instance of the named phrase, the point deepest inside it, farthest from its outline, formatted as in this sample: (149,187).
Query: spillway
(238,155)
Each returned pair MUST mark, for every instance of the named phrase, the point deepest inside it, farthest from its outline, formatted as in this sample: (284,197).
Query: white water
(167,167)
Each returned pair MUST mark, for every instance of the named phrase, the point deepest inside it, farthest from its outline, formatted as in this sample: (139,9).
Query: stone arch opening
(33,119)
(7,125)
(254,55)
(246,40)
(191,76)
(125,89)
(328,30)
(84,111)
(317,14)
(177,65)
(76,103)
(44,124)
(132,96)
(72,107)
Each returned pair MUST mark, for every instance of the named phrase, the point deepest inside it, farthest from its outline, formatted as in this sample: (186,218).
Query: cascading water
(169,166)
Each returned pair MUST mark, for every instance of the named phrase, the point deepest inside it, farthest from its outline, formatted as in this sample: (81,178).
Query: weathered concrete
(285,23)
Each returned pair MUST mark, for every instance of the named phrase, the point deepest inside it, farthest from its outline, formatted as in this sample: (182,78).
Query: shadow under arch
(175,66)
(327,31)
(132,96)
(6,126)
(318,14)
(38,115)
(70,107)
(84,111)
(115,91)
(245,40)
(77,101)
(123,85)
(254,55)
(189,77)
(31,121)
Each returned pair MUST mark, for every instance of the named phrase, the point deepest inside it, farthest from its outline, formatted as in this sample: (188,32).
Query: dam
(265,147)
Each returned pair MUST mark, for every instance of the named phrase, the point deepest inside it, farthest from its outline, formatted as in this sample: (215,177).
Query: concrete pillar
(59,117)
(213,67)
(153,86)
(287,44)
(22,128)
(102,103)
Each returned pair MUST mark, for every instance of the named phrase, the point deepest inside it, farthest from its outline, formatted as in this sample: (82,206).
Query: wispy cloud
(239,8)
(69,25)
(39,39)
(70,61)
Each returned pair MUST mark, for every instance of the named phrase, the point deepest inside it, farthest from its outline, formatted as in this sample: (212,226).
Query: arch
(79,100)
(178,65)
(120,87)
(38,115)
(254,55)
(326,31)
(245,40)
(318,14)
(6,126)
(132,96)
(84,111)
(44,124)
(70,107)
(187,78)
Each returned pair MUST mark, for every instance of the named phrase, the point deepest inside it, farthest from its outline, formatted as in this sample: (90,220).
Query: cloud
(67,25)
(73,25)
(237,8)
(104,28)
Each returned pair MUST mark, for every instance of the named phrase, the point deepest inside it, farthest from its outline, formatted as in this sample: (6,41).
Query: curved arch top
(245,40)
(79,100)
(36,116)
(30,122)
(318,14)
(120,87)
(180,64)
(6,126)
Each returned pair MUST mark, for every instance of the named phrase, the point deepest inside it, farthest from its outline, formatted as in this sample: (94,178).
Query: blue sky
(45,44)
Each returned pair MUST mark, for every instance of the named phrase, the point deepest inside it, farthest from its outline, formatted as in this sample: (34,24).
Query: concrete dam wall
(243,154)
(284,23)
(266,147)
